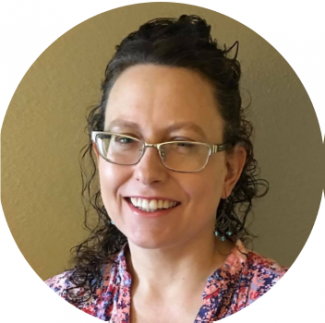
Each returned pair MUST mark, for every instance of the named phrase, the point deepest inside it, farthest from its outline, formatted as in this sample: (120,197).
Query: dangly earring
(223,223)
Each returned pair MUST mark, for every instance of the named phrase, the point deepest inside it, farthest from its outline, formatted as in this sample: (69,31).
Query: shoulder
(252,273)
(260,265)
(261,273)
(253,264)
(68,284)
(60,283)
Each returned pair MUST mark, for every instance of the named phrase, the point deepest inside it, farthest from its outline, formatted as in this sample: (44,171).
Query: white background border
(294,28)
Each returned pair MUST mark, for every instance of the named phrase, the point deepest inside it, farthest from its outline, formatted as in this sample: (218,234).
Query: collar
(228,272)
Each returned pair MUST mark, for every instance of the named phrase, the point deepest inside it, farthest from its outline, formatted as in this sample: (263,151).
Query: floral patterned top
(244,277)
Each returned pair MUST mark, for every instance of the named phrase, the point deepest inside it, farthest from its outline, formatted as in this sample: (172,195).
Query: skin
(180,246)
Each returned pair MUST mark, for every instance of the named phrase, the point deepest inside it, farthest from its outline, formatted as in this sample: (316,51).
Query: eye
(184,144)
(188,139)
(123,140)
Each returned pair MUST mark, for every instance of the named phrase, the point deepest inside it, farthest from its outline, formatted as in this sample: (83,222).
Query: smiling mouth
(152,205)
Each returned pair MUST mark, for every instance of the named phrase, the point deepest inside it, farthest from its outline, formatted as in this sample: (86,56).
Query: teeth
(145,204)
(134,201)
(151,205)
(166,204)
(160,204)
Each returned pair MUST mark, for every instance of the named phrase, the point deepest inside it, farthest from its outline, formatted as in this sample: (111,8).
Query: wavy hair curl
(185,42)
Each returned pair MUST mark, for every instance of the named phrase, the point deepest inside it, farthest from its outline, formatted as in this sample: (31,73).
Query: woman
(177,177)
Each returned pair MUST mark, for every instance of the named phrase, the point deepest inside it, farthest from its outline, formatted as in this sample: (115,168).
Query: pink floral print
(244,277)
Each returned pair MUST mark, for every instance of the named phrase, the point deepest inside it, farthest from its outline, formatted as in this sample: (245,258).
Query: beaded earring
(223,224)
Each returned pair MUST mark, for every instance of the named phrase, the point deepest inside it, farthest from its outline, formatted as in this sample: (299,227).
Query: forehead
(155,97)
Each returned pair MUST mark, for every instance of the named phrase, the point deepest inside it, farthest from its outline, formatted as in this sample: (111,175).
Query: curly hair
(186,43)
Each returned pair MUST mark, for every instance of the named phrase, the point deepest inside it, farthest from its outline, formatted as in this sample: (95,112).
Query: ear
(235,162)
(96,151)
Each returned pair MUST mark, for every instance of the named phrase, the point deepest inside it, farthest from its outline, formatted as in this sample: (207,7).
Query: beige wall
(44,130)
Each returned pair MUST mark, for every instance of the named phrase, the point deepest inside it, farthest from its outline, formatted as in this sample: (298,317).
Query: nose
(150,168)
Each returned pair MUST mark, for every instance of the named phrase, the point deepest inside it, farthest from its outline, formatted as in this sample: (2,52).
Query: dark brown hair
(186,43)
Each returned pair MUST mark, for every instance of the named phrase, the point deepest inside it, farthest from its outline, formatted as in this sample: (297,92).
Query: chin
(149,241)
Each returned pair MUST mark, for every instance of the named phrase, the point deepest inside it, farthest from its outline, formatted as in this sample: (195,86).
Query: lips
(152,204)
(151,198)
(147,211)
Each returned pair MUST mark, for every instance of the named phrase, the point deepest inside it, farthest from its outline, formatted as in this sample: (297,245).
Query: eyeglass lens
(180,156)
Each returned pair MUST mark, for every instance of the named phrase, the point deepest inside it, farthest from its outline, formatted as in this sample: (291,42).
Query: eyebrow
(175,126)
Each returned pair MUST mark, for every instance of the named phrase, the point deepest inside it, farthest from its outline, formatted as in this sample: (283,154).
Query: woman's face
(145,102)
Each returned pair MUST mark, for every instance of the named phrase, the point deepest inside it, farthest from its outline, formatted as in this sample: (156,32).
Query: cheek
(106,177)
(111,179)
(206,188)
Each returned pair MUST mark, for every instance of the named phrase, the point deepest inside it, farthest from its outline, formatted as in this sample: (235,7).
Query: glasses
(178,156)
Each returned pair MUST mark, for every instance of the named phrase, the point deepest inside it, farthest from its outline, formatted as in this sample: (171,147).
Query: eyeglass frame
(213,149)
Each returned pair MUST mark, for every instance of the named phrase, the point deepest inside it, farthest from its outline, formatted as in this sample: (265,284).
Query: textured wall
(44,130)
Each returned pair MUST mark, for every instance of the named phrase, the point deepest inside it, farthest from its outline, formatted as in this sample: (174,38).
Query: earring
(223,223)
(112,223)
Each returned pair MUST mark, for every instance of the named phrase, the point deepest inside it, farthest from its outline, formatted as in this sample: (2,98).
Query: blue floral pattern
(244,277)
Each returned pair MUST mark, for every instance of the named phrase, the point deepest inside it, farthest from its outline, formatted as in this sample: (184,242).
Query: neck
(164,270)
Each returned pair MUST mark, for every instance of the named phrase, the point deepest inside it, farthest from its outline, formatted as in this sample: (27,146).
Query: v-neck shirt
(244,277)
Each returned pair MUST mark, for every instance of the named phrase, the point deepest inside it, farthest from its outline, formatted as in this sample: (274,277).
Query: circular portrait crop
(195,142)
